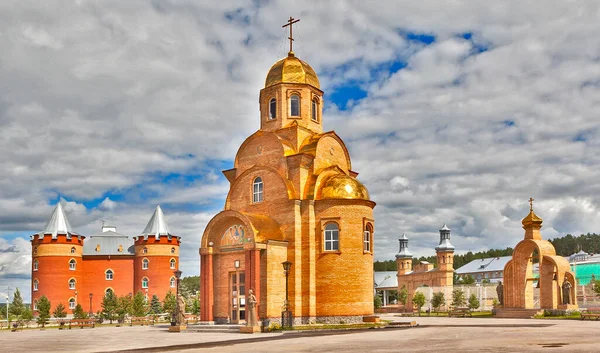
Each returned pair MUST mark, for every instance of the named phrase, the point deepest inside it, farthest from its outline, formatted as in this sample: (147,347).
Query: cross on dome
(290,23)
(531,199)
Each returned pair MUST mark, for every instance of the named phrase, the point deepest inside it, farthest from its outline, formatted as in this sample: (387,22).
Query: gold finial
(531,199)
(291,21)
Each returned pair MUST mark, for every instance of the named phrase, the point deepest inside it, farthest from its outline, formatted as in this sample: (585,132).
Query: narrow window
(73,250)
(35,285)
(172,250)
(144,282)
(172,284)
(272,109)
(72,303)
(172,262)
(72,283)
(109,275)
(332,237)
(35,305)
(314,110)
(145,250)
(257,190)
(72,265)
(145,264)
(295,105)
(35,265)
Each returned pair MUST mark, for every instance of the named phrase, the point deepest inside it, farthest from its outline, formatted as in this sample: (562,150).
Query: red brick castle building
(72,269)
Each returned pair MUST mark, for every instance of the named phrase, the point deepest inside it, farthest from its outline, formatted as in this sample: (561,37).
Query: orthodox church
(72,269)
(293,199)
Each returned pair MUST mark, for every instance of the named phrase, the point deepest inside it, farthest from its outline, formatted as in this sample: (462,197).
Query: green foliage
(458,298)
(485,281)
(3,312)
(467,279)
(419,300)
(189,286)
(389,265)
(109,306)
(195,306)
(139,305)
(124,305)
(43,306)
(569,244)
(27,315)
(59,311)
(437,300)
(169,303)
(78,312)
(16,307)
(393,295)
(596,286)
(473,302)
(377,302)
(155,307)
(403,296)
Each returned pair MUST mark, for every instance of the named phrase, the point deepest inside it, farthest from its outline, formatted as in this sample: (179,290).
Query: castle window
(35,265)
(145,263)
(73,250)
(172,250)
(72,264)
(145,282)
(35,305)
(332,237)
(72,303)
(108,275)
(108,292)
(367,238)
(172,282)
(257,190)
(35,285)
(172,263)
(35,250)
(314,110)
(272,109)
(144,250)
(295,105)
(72,283)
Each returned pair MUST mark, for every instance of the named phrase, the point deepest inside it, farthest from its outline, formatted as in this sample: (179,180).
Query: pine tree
(43,306)
(437,300)
(123,307)
(109,306)
(27,315)
(78,313)
(139,307)
(473,302)
(155,307)
(59,311)
(16,307)
(458,298)
(170,303)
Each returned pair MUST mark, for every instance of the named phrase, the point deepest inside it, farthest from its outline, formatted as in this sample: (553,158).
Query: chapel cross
(531,199)
(291,21)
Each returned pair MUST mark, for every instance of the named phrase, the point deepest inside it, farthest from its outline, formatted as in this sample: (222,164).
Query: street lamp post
(286,314)
(175,317)
(91,311)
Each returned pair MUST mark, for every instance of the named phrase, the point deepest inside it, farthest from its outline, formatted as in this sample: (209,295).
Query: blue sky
(114,107)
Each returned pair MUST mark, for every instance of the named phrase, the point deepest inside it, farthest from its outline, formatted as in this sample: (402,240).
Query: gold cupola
(292,70)
(342,186)
(531,220)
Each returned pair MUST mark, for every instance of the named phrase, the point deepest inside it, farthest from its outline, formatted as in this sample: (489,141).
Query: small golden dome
(292,70)
(342,187)
(531,219)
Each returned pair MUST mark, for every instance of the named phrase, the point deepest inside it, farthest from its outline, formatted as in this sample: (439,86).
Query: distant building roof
(484,265)
(108,242)
(386,279)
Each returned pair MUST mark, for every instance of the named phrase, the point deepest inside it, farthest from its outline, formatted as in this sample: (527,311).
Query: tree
(59,311)
(139,306)
(3,311)
(27,315)
(78,313)
(473,302)
(16,307)
(437,300)
(419,300)
(170,303)
(189,286)
(155,307)
(468,279)
(196,306)
(109,306)
(403,295)
(377,302)
(458,298)
(43,306)
(124,306)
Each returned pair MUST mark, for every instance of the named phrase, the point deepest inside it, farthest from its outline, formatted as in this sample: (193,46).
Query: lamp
(91,311)
(175,316)
(236,264)
(286,314)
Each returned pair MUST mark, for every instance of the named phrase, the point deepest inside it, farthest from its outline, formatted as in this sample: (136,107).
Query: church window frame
(145,264)
(73,250)
(72,303)
(295,104)
(72,283)
(72,264)
(36,285)
(314,109)
(331,237)
(368,238)
(272,109)
(173,263)
(145,282)
(36,264)
(172,282)
(258,188)
(109,274)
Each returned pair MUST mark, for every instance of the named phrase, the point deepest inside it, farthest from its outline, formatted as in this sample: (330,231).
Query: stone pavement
(433,335)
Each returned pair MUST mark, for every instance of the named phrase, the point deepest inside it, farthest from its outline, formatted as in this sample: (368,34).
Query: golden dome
(341,186)
(531,219)
(291,70)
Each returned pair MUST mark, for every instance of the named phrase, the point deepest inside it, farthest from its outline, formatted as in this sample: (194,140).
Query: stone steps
(214,328)
(509,313)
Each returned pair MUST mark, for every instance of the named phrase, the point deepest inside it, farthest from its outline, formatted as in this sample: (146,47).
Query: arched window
(145,282)
(145,263)
(35,305)
(314,110)
(172,282)
(272,109)
(35,265)
(172,250)
(172,263)
(295,105)
(71,303)
(109,275)
(367,238)
(73,250)
(257,190)
(332,242)
(108,291)
(72,283)
(35,285)
(144,250)
(72,264)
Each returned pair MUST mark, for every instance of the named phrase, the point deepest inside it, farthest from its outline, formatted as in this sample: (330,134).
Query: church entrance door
(237,283)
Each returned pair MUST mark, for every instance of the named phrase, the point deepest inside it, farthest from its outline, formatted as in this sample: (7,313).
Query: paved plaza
(432,335)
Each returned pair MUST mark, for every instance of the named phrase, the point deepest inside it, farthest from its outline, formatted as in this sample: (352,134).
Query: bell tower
(445,251)
(404,257)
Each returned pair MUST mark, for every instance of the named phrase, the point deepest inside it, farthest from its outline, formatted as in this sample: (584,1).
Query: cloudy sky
(453,113)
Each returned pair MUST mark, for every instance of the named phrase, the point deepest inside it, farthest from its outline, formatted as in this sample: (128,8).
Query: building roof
(386,279)
(291,70)
(57,224)
(157,225)
(488,264)
(108,242)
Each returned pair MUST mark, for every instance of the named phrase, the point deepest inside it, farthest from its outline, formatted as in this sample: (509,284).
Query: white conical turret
(57,224)
(157,225)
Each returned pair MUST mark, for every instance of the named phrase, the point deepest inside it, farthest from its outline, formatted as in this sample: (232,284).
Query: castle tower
(57,263)
(445,251)
(404,257)
(156,258)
